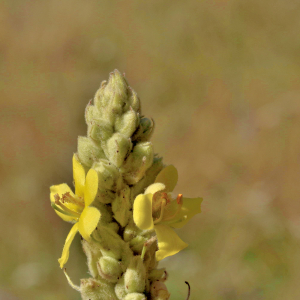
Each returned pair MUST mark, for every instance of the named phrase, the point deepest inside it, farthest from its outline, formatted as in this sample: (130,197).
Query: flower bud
(148,179)
(157,274)
(111,98)
(135,296)
(109,176)
(109,268)
(135,276)
(93,255)
(137,163)
(121,206)
(127,123)
(120,289)
(99,130)
(159,291)
(133,100)
(88,151)
(91,113)
(144,131)
(96,289)
(117,148)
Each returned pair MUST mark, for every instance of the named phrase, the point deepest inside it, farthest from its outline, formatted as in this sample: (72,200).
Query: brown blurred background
(220,78)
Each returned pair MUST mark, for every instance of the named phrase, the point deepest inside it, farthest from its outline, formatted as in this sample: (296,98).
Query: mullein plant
(122,205)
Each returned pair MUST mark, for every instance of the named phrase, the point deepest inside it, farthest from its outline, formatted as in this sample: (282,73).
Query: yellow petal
(155,187)
(169,177)
(88,221)
(169,242)
(65,254)
(61,189)
(190,207)
(91,187)
(142,211)
(78,176)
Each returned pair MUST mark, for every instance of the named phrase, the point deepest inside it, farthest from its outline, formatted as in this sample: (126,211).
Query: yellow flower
(75,208)
(155,210)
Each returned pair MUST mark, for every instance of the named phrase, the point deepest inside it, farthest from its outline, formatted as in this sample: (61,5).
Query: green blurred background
(221,80)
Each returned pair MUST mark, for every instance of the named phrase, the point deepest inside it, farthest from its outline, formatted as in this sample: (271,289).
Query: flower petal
(61,189)
(88,221)
(65,254)
(155,187)
(78,176)
(91,187)
(190,207)
(169,177)
(169,242)
(142,211)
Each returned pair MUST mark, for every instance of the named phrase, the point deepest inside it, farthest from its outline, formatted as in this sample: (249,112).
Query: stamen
(163,204)
(179,197)
(66,197)
(64,212)
(179,201)
(64,208)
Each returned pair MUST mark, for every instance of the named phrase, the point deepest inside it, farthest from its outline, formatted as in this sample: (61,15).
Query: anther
(163,204)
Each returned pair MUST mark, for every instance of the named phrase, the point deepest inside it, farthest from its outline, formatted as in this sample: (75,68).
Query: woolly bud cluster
(121,257)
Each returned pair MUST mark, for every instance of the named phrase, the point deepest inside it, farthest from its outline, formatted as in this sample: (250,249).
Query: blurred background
(221,80)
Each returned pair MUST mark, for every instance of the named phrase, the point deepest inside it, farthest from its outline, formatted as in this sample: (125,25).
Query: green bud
(137,163)
(121,206)
(109,268)
(135,296)
(148,179)
(106,213)
(111,98)
(127,123)
(96,289)
(144,131)
(91,113)
(133,100)
(88,151)
(99,130)
(157,274)
(120,289)
(109,242)
(109,176)
(105,196)
(130,231)
(127,255)
(159,291)
(135,276)
(93,255)
(117,148)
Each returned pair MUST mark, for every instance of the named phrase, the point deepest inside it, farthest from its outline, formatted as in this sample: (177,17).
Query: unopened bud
(159,291)
(120,289)
(157,274)
(109,176)
(100,130)
(133,100)
(88,151)
(117,148)
(144,130)
(148,179)
(121,206)
(96,289)
(135,296)
(137,163)
(109,268)
(135,276)
(93,255)
(127,123)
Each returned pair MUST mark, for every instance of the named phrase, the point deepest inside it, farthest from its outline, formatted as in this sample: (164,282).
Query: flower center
(163,208)
(68,205)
